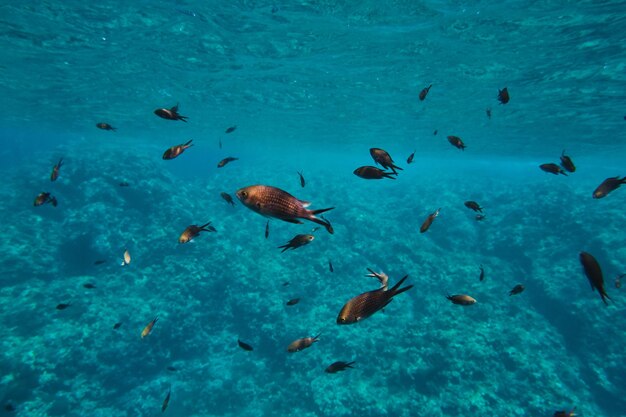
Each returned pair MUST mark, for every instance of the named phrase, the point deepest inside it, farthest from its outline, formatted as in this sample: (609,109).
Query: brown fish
(552,169)
(409,160)
(608,185)
(429,220)
(383,158)
(302,182)
(293,302)
(373,173)
(503,95)
(297,241)
(55,170)
(170,114)
(224,161)
(567,163)
(245,346)
(148,329)
(456,142)
(473,205)
(565,413)
(364,305)
(192,231)
(300,344)
(231,129)
(461,299)
(166,401)
(424,92)
(44,198)
(274,202)
(228,198)
(105,126)
(594,274)
(338,367)
(174,151)
(519,288)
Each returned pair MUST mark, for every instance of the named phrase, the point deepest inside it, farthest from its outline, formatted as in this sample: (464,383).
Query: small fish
(293,302)
(124,184)
(126,258)
(244,345)
(456,142)
(44,198)
(567,163)
(338,367)
(330,266)
(435,132)
(194,230)
(329,226)
(608,185)
(552,169)
(429,220)
(480,217)
(174,151)
(300,344)
(220,143)
(63,306)
(461,299)
(9,408)
(89,286)
(593,272)
(424,92)
(55,170)
(148,329)
(380,276)
(482,273)
(297,241)
(231,129)
(105,126)
(302,182)
(286,283)
(618,281)
(172,368)
(170,114)
(364,305)
(565,413)
(227,198)
(373,173)
(519,288)
(224,161)
(409,160)
(383,158)
(117,325)
(503,95)
(166,401)
(267,229)
(274,202)
(488,111)
(473,206)
(99,262)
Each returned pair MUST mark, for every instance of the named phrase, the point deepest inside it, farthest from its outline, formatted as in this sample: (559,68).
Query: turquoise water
(311,87)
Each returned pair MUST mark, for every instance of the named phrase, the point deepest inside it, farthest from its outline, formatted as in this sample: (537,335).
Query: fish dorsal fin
(305,203)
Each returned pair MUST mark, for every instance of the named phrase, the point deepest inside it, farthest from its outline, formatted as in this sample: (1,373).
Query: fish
(373,173)
(297,241)
(565,413)
(224,161)
(124,184)
(608,185)
(170,114)
(380,276)
(148,329)
(461,299)
(482,273)
(228,198)
(330,266)
(286,283)
(9,408)
(267,229)
(220,143)
(593,272)
(409,160)
(473,205)
(117,325)
(383,158)
(99,262)
(618,281)
(552,169)
(166,401)
(301,344)
(126,258)
(429,220)
(488,111)
(62,306)
(480,217)
(230,129)
(338,367)
(273,202)
(435,132)
(293,302)
(43,198)
(567,163)
(194,230)
(174,151)
(105,126)
(55,170)
(302,182)
(172,368)
(519,288)
(456,142)
(89,286)
(244,346)
(503,95)
(424,92)
(364,305)
(328,226)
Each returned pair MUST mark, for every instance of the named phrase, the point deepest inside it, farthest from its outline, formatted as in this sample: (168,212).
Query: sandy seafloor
(553,347)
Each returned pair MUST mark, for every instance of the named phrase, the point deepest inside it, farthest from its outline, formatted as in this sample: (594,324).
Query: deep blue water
(311,87)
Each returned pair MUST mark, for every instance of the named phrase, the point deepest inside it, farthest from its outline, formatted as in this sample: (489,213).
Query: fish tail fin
(183,118)
(188,144)
(207,227)
(324,222)
(320,211)
(285,247)
(315,338)
(390,175)
(604,296)
(349,364)
(623,180)
(395,290)
(397,167)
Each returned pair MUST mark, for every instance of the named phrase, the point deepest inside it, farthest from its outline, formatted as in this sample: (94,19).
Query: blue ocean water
(311,86)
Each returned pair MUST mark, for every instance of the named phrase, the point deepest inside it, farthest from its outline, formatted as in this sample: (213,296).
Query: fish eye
(244,194)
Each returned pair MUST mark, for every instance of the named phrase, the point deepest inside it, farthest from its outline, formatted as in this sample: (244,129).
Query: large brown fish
(552,169)
(55,170)
(174,151)
(429,220)
(44,198)
(274,202)
(297,241)
(194,230)
(608,185)
(594,274)
(170,114)
(300,344)
(456,142)
(567,163)
(461,299)
(383,158)
(373,173)
(364,305)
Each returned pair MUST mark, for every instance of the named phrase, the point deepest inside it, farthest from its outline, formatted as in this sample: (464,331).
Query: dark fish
(267,229)
(473,205)
(174,151)
(286,283)
(364,305)
(230,129)
(456,142)
(482,273)
(297,241)
(503,95)
(105,126)
(172,368)
(552,169)
(274,202)
(99,262)
(166,401)
(409,160)
(565,413)
(300,344)
(424,92)
(330,266)
(89,286)
(244,345)
(567,163)
(383,158)
(517,289)
(44,198)
(224,161)
(9,408)
(55,170)
(117,325)
(480,217)
(194,230)
(338,367)
(488,111)
(228,198)
(435,132)
(429,220)
(124,184)
(608,185)
(170,114)
(594,274)
(302,182)
(461,299)
(293,301)
(373,173)
(62,306)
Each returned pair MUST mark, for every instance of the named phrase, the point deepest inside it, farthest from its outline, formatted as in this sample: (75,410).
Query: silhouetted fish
(244,345)
(174,151)
(338,367)
(567,163)
(194,230)
(383,158)
(9,408)
(302,182)
(89,286)
(166,401)
(409,160)
(297,241)
(373,173)
(105,126)
(429,220)
(473,205)
(456,142)
(231,129)
(267,229)
(594,274)
(519,288)
(330,266)
(148,329)
(435,132)
(488,111)
(293,302)
(228,198)
(482,273)
(124,184)
(608,185)
(63,306)
(55,170)
(43,198)
(503,95)
(461,299)
(170,114)
(172,368)
(552,169)
(300,344)
(117,325)
(99,262)
(225,161)
(424,92)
